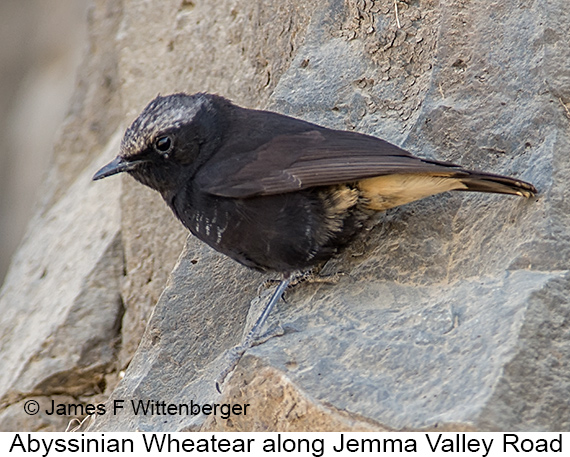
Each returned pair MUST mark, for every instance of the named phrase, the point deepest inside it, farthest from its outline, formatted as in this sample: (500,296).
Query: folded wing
(320,157)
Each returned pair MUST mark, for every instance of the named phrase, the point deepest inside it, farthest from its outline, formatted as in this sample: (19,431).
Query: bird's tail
(388,191)
(484,182)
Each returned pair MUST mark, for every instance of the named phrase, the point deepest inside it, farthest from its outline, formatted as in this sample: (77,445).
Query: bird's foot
(313,276)
(310,276)
(236,353)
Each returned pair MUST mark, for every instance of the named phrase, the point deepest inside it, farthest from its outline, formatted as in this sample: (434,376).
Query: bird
(273,192)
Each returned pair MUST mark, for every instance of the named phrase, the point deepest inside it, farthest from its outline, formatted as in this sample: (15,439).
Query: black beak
(118,165)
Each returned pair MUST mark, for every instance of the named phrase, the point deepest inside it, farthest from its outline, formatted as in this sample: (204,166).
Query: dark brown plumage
(271,191)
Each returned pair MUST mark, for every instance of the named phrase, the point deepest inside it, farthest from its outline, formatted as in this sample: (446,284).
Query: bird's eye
(163,145)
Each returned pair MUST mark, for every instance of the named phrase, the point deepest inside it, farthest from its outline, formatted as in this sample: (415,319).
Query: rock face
(61,305)
(39,59)
(451,312)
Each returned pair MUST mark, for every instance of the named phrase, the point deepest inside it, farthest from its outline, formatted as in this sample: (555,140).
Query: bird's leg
(237,352)
(256,329)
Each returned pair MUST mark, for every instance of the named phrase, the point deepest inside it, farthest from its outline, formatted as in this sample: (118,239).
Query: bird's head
(166,143)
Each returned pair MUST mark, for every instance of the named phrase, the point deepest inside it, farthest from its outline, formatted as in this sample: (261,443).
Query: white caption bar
(291,444)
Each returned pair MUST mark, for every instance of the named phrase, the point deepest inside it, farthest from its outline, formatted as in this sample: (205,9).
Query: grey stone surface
(61,306)
(449,313)
(209,297)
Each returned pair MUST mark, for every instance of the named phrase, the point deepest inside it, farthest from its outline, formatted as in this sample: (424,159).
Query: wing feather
(314,157)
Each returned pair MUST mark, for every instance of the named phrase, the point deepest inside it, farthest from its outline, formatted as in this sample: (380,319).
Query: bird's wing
(315,157)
